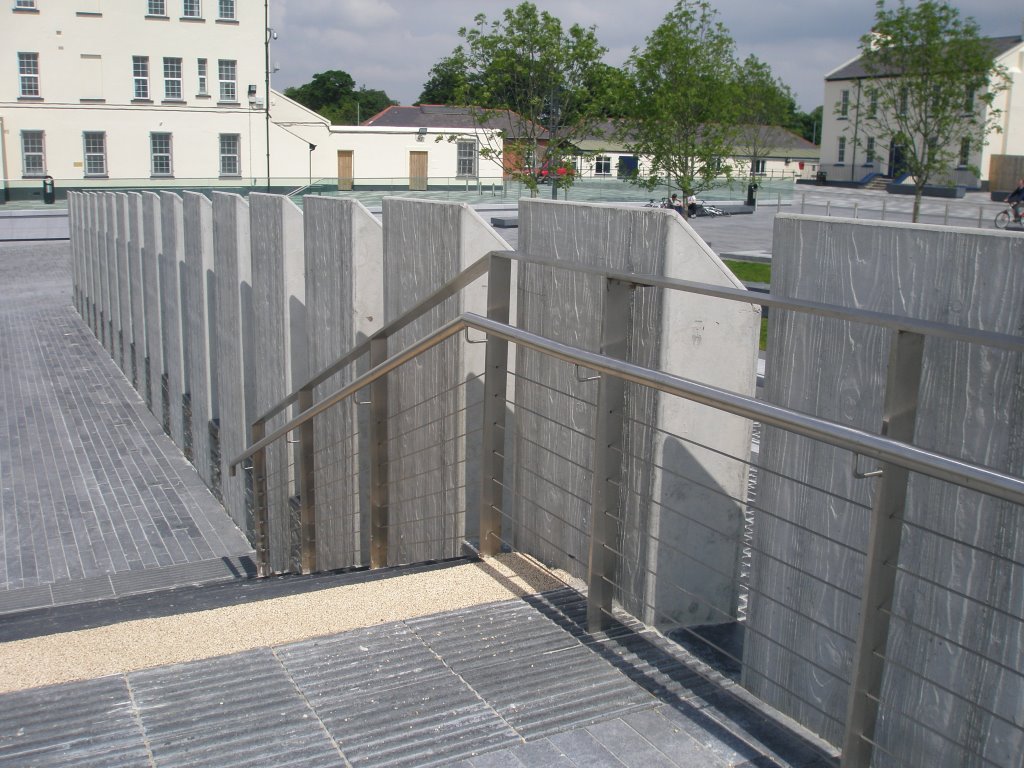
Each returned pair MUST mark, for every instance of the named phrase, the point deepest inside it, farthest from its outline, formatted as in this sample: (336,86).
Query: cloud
(392,44)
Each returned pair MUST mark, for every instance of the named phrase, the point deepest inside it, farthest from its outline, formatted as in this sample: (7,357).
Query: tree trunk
(917,204)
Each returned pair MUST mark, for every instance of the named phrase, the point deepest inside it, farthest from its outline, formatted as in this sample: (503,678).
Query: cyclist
(1016,200)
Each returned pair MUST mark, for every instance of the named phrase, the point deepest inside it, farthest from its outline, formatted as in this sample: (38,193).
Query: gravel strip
(146,643)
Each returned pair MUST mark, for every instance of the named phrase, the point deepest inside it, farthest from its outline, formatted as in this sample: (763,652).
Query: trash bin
(751,194)
(822,177)
(48,194)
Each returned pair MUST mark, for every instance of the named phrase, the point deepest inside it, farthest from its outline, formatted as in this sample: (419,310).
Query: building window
(870,151)
(466,158)
(95,153)
(226,9)
(873,104)
(157,8)
(904,100)
(965,152)
(160,154)
(28,70)
(172,79)
(842,150)
(201,68)
(190,9)
(33,158)
(602,165)
(226,73)
(229,154)
(969,101)
(758,167)
(25,4)
(140,74)
(844,104)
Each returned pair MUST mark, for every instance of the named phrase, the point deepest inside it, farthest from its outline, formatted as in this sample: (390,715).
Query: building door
(345,163)
(418,171)
(897,165)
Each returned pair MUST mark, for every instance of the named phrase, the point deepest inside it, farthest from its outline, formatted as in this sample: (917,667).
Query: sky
(392,44)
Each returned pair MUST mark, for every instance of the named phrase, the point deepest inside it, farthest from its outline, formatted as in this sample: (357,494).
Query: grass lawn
(749,272)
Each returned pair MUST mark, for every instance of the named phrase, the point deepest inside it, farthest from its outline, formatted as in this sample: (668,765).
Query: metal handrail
(821,309)
(973,476)
(475,270)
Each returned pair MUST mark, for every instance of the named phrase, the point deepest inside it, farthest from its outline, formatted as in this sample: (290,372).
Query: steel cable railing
(598,534)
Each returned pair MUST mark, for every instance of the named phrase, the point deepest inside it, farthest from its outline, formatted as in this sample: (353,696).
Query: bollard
(856,208)
(945,218)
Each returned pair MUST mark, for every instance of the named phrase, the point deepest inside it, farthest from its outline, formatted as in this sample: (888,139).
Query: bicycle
(1005,217)
(706,209)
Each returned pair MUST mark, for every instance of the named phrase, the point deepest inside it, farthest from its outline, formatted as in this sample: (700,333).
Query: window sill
(96,176)
(25,10)
(142,101)
(230,176)
(173,101)
(202,96)
(227,21)
(93,14)
(30,98)
(229,103)
(161,176)
(193,19)
(35,176)
(92,101)
(155,17)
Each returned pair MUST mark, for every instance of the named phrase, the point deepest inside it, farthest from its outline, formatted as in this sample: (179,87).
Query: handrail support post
(379,457)
(885,531)
(605,508)
(307,486)
(259,501)
(499,289)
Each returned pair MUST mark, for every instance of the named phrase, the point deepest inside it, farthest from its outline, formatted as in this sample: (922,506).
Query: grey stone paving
(412,694)
(91,490)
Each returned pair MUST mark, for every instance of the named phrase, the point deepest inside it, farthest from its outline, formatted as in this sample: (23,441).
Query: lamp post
(266,53)
(311,148)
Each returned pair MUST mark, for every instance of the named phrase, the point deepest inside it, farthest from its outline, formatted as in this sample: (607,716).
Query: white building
(170,93)
(848,154)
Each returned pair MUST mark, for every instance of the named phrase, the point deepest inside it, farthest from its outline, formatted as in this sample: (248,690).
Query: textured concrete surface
(956,643)
(344,305)
(90,487)
(233,346)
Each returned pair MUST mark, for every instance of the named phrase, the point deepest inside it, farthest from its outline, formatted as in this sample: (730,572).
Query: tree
(333,95)
(681,108)
(932,80)
(764,102)
(541,84)
(446,82)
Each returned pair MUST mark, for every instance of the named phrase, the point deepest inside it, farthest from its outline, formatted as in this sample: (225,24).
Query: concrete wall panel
(344,306)
(281,357)
(123,315)
(171,263)
(135,277)
(960,561)
(426,243)
(152,244)
(681,543)
(233,349)
(198,320)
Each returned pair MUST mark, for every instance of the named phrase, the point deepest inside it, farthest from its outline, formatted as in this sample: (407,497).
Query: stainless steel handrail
(475,270)
(479,267)
(975,477)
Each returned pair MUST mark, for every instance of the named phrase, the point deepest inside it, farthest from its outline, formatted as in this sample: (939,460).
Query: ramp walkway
(95,501)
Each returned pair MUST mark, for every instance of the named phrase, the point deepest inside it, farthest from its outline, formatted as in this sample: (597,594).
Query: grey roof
(855,69)
(439,116)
